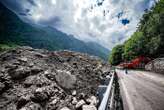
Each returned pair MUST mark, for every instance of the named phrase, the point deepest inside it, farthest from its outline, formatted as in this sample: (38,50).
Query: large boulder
(19,73)
(65,79)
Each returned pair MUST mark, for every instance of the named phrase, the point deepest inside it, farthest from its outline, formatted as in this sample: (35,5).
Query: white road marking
(129,101)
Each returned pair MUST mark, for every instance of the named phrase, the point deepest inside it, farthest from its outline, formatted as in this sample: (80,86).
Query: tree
(135,46)
(116,55)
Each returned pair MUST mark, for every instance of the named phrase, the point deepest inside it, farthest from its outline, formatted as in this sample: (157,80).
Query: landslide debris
(33,79)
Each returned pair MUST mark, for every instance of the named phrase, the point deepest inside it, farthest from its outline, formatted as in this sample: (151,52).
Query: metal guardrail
(105,100)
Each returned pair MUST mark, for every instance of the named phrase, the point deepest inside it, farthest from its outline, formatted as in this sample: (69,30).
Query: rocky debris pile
(156,65)
(32,79)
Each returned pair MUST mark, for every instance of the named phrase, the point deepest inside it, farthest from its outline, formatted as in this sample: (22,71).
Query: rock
(89,107)
(19,73)
(23,59)
(37,54)
(25,108)
(38,80)
(2,70)
(40,95)
(74,101)
(31,64)
(65,79)
(50,75)
(92,100)
(54,101)
(32,106)
(65,108)
(11,67)
(53,104)
(36,70)
(10,107)
(80,104)
(23,101)
(2,86)
(81,96)
(74,93)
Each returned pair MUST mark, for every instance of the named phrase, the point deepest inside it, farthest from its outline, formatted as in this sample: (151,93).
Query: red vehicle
(138,62)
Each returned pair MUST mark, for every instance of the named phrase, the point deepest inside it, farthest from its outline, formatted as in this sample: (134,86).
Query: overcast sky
(108,22)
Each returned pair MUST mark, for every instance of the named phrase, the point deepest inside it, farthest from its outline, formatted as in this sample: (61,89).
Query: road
(141,90)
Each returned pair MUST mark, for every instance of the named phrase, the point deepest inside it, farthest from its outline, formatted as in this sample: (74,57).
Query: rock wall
(156,65)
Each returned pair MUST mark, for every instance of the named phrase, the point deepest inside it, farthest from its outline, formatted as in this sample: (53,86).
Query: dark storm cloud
(16,6)
(23,14)
(13,4)
(32,2)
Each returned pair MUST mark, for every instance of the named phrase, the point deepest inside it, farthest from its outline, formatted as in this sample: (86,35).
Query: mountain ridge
(14,30)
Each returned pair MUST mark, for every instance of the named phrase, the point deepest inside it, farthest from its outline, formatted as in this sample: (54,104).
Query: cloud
(107,22)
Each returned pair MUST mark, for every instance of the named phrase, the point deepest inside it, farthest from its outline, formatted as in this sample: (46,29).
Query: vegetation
(4,47)
(148,40)
(116,55)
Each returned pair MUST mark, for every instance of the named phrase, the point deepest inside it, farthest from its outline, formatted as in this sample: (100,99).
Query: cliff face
(33,79)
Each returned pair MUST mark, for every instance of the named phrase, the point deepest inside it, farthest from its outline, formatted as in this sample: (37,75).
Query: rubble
(33,79)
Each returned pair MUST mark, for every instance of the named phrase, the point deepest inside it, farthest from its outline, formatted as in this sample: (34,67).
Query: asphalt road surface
(141,90)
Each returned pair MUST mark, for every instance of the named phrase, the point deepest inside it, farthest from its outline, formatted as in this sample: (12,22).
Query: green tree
(135,46)
(116,55)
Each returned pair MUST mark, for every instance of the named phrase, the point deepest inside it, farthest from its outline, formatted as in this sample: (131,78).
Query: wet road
(141,90)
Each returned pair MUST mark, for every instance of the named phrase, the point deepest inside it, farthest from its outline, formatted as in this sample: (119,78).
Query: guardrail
(105,101)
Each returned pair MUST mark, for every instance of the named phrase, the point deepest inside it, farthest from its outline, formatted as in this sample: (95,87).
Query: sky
(107,22)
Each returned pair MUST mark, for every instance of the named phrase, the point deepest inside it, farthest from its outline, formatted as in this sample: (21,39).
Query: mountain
(14,30)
